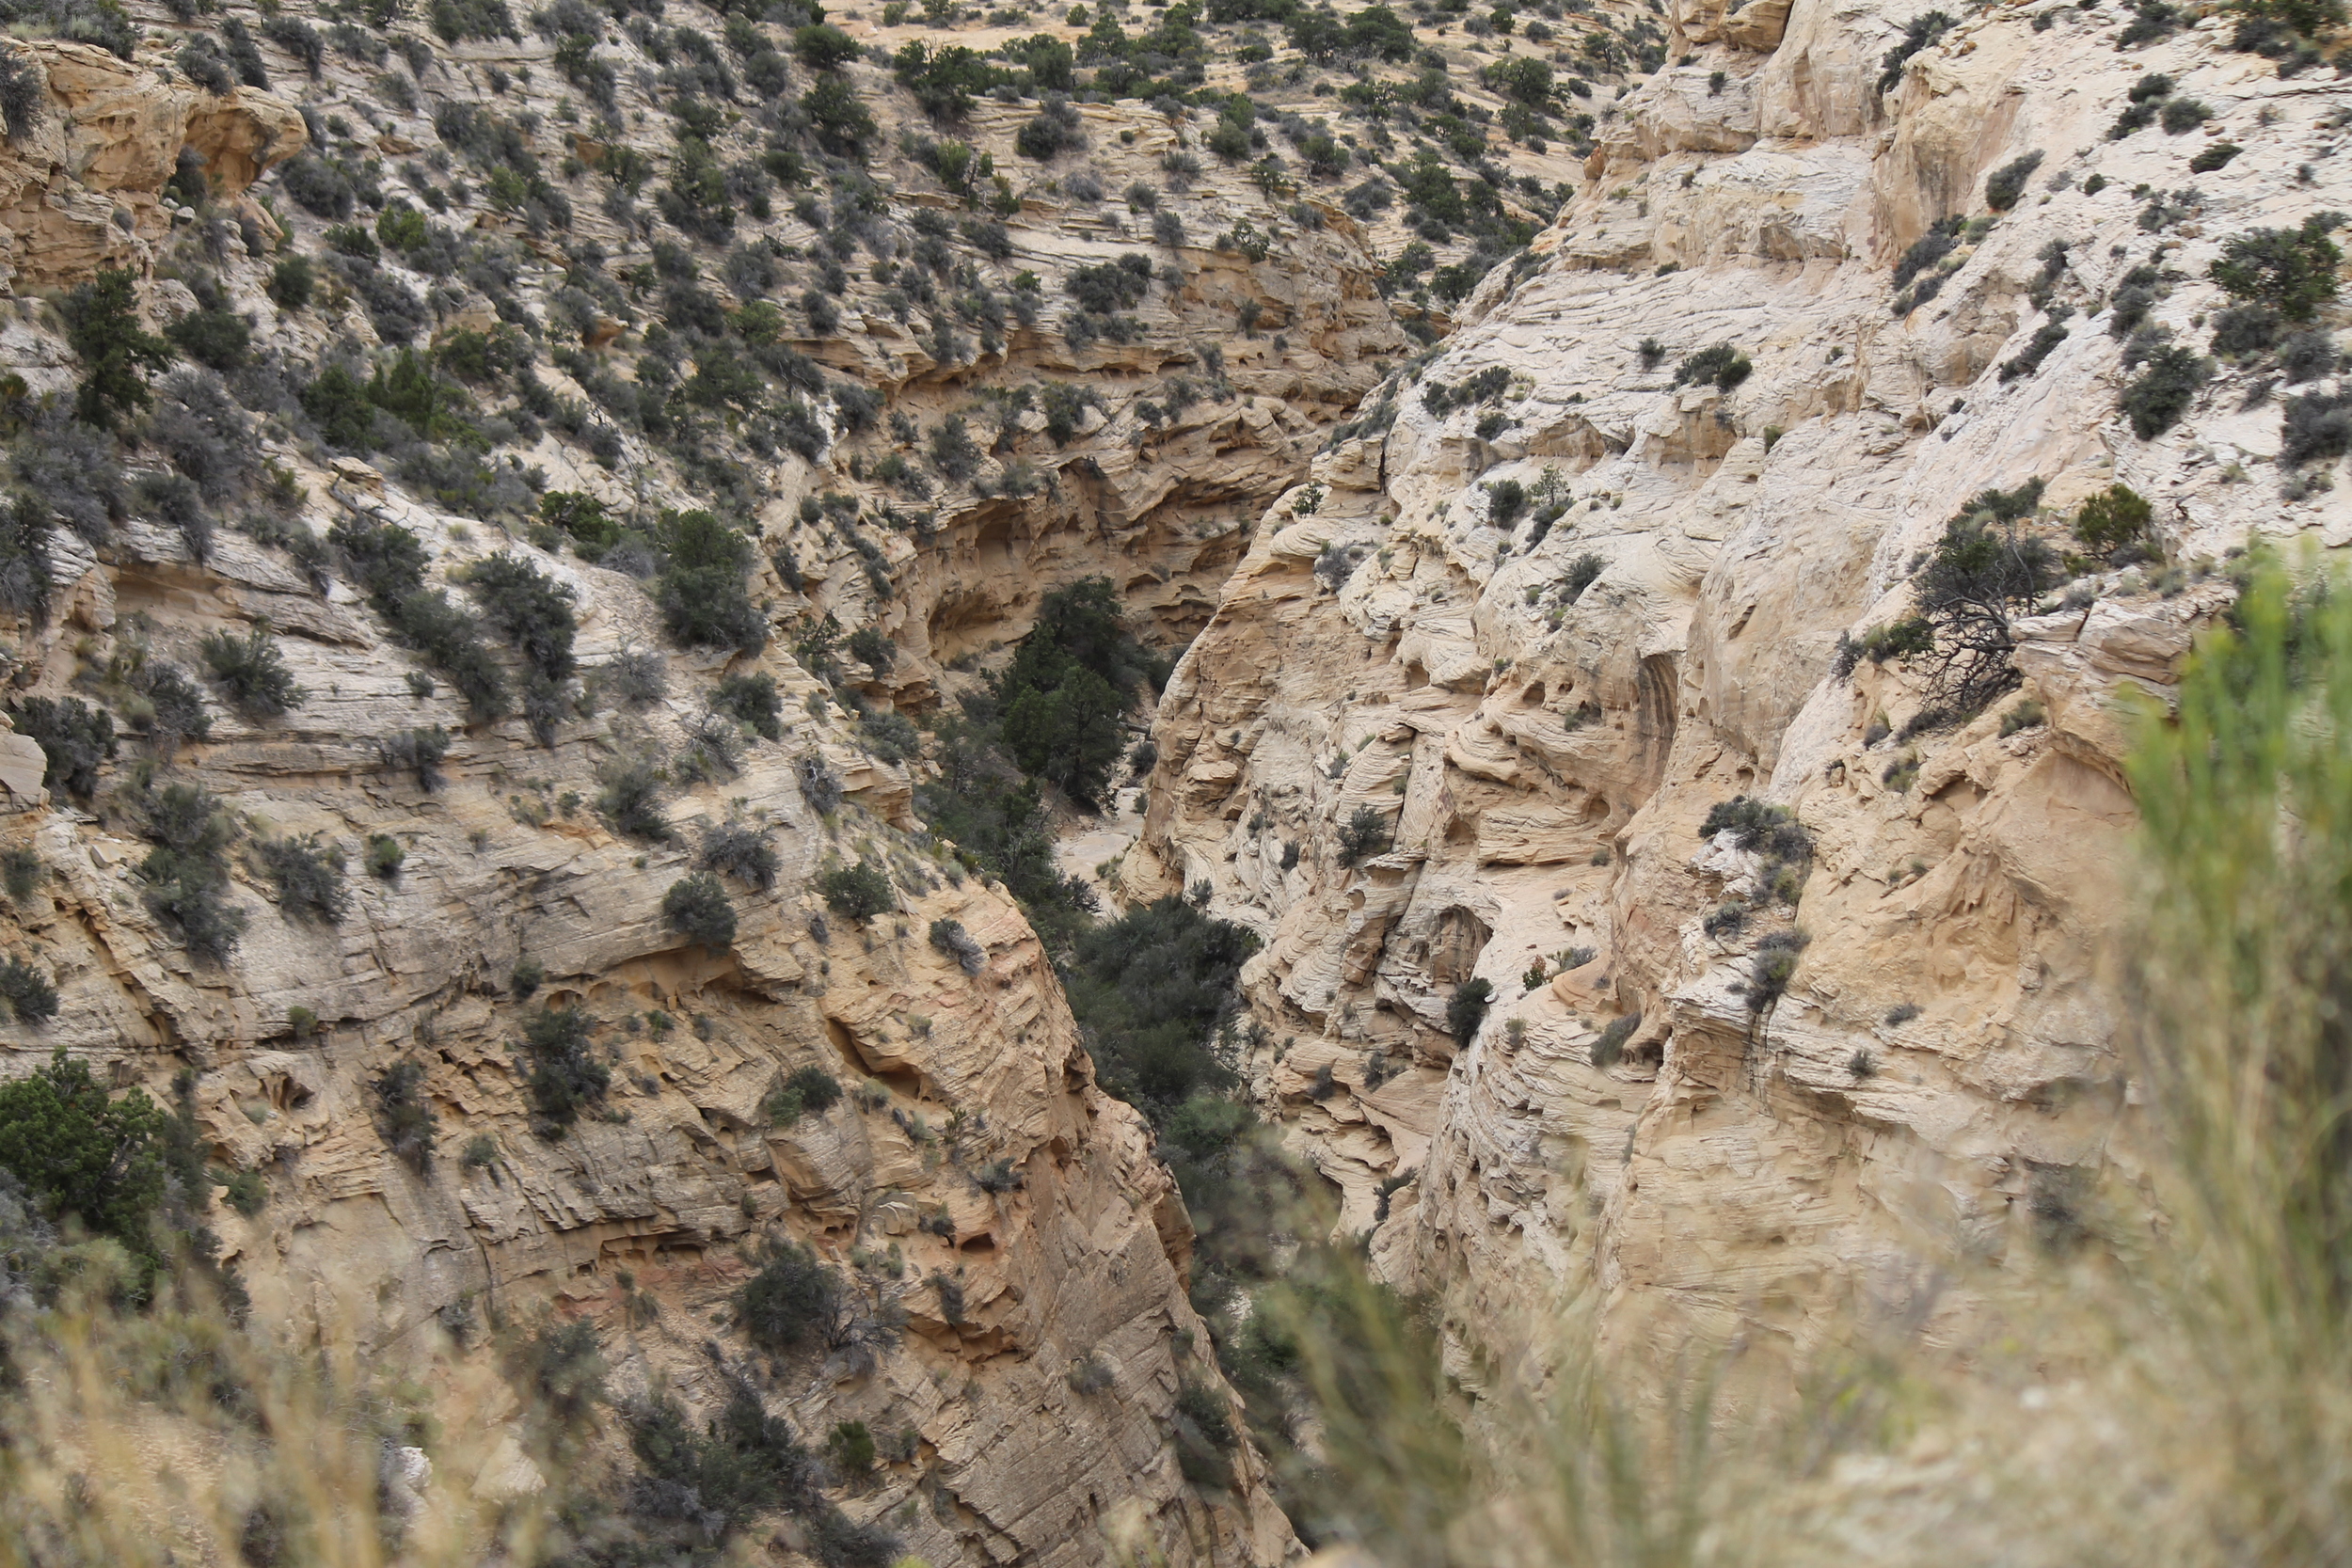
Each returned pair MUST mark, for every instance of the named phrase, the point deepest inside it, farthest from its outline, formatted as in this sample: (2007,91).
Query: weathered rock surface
(85,187)
(1538,745)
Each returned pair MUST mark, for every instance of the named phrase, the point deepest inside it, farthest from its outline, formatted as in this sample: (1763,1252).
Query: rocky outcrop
(82,187)
(996,1217)
(1469,699)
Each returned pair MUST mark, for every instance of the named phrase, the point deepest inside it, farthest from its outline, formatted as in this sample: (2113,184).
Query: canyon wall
(1467,704)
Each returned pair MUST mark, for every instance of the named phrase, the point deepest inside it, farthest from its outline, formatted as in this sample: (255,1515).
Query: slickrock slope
(1539,741)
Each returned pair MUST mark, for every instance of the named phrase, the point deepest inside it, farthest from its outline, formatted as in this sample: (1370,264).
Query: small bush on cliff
(788,1304)
(2291,270)
(630,799)
(187,871)
(103,326)
(697,906)
(387,563)
(2004,185)
(2114,521)
(1922,32)
(738,850)
(1981,575)
(404,1117)
(1467,1008)
(2154,401)
(1609,1049)
(701,592)
(1720,365)
(308,873)
(752,701)
(949,937)
(1365,833)
(416,752)
(528,609)
(252,672)
(30,995)
(563,1078)
(22,98)
(1063,700)
(1773,967)
(858,892)
(75,736)
(77,1153)
(1148,988)
(809,1090)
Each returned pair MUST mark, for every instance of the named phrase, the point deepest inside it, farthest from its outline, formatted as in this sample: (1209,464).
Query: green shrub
(75,736)
(858,892)
(31,997)
(2241,330)
(821,786)
(1205,1436)
(2117,516)
(310,877)
(743,852)
(103,326)
(1064,696)
(949,937)
(2043,343)
(2316,426)
(563,1078)
(2155,400)
(1921,32)
(20,872)
(789,1303)
(1774,966)
(403,1118)
(387,563)
(630,799)
(252,672)
(416,752)
(1467,1008)
(1149,990)
(697,906)
(701,592)
(1609,1049)
(247,1192)
(217,339)
(1981,575)
(528,609)
(872,649)
(2183,114)
(1365,833)
(2004,185)
(187,871)
(751,700)
(1722,365)
(809,1090)
(2024,716)
(385,855)
(77,1153)
(2291,270)
(1896,639)
(290,282)
(563,1373)
(593,529)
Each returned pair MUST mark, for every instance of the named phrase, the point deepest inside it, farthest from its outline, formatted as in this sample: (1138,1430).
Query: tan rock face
(1466,750)
(1076,1247)
(85,188)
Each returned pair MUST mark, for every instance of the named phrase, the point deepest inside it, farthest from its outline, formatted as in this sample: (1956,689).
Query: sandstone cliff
(1539,699)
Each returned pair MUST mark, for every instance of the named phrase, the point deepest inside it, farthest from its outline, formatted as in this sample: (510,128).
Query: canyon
(1514,634)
